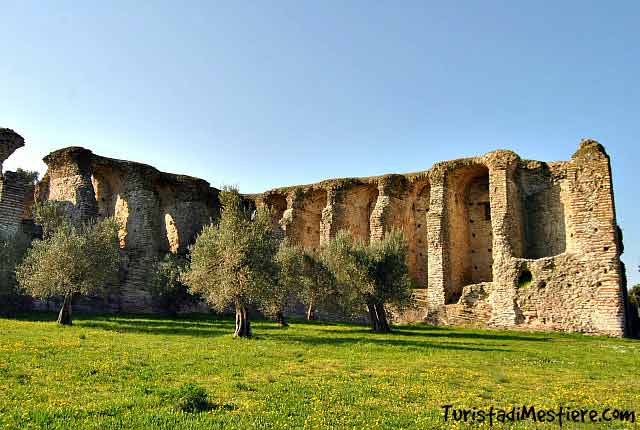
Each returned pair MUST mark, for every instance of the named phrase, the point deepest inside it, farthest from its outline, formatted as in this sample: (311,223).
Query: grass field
(124,372)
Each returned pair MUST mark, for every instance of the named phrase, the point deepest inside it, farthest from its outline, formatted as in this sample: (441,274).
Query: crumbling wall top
(9,142)
(83,157)
(591,149)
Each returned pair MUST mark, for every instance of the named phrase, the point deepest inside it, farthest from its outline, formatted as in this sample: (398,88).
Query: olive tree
(317,284)
(634,295)
(389,273)
(345,258)
(166,285)
(12,250)
(70,260)
(232,263)
(289,278)
(373,275)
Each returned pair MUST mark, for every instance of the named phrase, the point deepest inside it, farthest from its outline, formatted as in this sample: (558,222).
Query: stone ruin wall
(16,194)
(158,213)
(493,240)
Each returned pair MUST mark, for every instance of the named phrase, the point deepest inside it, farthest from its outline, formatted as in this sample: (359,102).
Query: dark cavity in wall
(545,230)
(470,237)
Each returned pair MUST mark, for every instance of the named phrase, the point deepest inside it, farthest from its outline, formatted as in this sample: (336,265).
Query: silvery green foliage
(346,258)
(318,284)
(233,262)
(634,295)
(388,270)
(166,273)
(369,274)
(289,260)
(52,215)
(70,259)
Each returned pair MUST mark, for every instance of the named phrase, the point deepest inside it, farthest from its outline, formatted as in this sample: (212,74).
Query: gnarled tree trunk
(280,319)
(243,325)
(378,318)
(64,317)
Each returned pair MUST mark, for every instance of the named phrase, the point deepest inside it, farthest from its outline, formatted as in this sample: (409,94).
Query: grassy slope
(107,373)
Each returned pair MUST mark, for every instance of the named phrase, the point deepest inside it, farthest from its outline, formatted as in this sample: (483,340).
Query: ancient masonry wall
(16,193)
(493,240)
(158,213)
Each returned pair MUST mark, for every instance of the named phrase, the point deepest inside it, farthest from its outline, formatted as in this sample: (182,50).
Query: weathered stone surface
(158,213)
(16,194)
(493,240)
(9,142)
(476,228)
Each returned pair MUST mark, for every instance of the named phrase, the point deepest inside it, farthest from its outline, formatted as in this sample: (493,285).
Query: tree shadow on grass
(204,325)
(388,340)
(209,325)
(439,332)
(168,328)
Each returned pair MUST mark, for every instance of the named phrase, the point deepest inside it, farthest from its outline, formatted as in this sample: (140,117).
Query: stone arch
(359,204)
(470,235)
(107,187)
(312,208)
(277,204)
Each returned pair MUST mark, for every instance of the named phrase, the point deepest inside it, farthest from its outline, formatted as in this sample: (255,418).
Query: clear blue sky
(271,93)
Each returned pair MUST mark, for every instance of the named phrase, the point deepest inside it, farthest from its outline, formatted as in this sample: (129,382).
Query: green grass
(124,373)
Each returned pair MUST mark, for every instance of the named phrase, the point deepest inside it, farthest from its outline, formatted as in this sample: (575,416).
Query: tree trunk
(243,325)
(378,318)
(311,312)
(280,319)
(64,317)
(373,318)
(383,323)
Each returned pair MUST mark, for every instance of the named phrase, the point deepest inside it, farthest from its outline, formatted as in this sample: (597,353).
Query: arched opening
(104,196)
(277,204)
(359,203)
(469,229)
(107,187)
(312,208)
(525,279)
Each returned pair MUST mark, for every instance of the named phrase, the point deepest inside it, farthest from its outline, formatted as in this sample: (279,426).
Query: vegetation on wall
(28,176)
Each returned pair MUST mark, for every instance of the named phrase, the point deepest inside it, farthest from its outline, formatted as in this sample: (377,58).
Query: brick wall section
(158,213)
(472,270)
(502,295)
(593,223)
(543,221)
(15,193)
(10,141)
(16,196)
(437,235)
(69,180)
